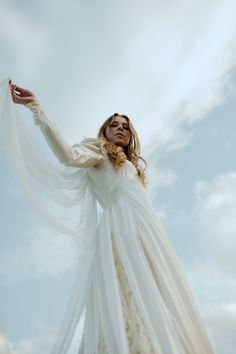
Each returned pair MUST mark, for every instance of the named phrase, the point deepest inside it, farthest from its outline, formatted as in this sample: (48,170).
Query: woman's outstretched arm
(78,155)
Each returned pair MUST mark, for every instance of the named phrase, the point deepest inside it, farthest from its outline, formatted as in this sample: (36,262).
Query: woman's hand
(20,95)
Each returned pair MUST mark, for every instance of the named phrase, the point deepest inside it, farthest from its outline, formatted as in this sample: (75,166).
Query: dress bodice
(105,178)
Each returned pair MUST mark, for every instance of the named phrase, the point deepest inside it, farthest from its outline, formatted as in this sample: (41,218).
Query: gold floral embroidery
(137,337)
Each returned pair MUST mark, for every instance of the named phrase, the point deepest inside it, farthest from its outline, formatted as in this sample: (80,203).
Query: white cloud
(23,40)
(159,67)
(41,252)
(43,340)
(161,178)
(158,179)
(223,319)
(36,345)
(213,272)
(4,346)
(182,70)
(215,211)
(228,146)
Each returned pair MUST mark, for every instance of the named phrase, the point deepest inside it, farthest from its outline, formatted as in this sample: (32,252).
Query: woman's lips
(120,134)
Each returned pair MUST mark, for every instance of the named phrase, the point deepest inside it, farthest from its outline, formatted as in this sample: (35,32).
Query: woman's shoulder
(93,141)
(89,146)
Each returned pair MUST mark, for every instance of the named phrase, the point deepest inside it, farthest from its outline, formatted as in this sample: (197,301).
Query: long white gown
(129,284)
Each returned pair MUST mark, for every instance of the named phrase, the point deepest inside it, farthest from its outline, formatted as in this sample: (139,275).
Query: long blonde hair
(117,154)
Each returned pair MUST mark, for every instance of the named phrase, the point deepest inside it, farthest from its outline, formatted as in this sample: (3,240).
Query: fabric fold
(68,187)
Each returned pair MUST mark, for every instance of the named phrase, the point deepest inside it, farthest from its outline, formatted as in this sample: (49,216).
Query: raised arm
(85,154)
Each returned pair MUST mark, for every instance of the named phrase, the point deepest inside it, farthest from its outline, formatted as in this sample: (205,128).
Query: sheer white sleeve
(63,195)
(43,181)
(84,154)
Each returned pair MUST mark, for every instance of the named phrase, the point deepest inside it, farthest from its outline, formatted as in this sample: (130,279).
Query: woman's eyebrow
(116,121)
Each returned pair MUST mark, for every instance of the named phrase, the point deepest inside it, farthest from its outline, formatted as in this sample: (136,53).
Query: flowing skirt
(136,333)
(140,299)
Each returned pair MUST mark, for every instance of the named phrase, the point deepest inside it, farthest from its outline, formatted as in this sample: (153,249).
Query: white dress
(130,284)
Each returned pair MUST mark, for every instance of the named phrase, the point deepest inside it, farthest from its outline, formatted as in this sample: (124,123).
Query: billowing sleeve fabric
(62,194)
(84,154)
(80,156)
(45,182)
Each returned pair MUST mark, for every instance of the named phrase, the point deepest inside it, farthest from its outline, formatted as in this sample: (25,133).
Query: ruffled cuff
(38,114)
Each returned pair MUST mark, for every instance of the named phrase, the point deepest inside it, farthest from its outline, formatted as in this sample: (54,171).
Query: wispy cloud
(24,41)
(215,227)
(41,252)
(159,67)
(215,212)
(189,69)
(36,345)
(4,345)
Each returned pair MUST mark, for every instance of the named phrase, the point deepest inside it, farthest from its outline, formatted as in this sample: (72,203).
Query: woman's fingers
(20,90)
(14,96)
(20,95)
(23,92)
(12,88)
(18,99)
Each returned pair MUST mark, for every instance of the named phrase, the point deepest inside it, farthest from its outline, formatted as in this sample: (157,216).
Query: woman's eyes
(126,127)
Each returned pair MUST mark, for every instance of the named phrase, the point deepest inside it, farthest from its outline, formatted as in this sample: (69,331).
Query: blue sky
(170,66)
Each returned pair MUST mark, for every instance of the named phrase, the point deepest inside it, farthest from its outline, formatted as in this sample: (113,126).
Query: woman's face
(118,131)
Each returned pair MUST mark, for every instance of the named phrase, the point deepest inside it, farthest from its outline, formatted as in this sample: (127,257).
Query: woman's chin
(120,142)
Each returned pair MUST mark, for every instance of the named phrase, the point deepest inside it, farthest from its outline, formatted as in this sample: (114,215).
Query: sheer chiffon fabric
(129,282)
(136,333)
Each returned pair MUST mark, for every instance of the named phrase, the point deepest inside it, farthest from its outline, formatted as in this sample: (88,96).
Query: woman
(129,285)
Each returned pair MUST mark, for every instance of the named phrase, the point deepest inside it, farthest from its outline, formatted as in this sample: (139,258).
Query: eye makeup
(124,125)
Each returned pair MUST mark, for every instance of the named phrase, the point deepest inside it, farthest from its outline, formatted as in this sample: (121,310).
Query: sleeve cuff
(36,109)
